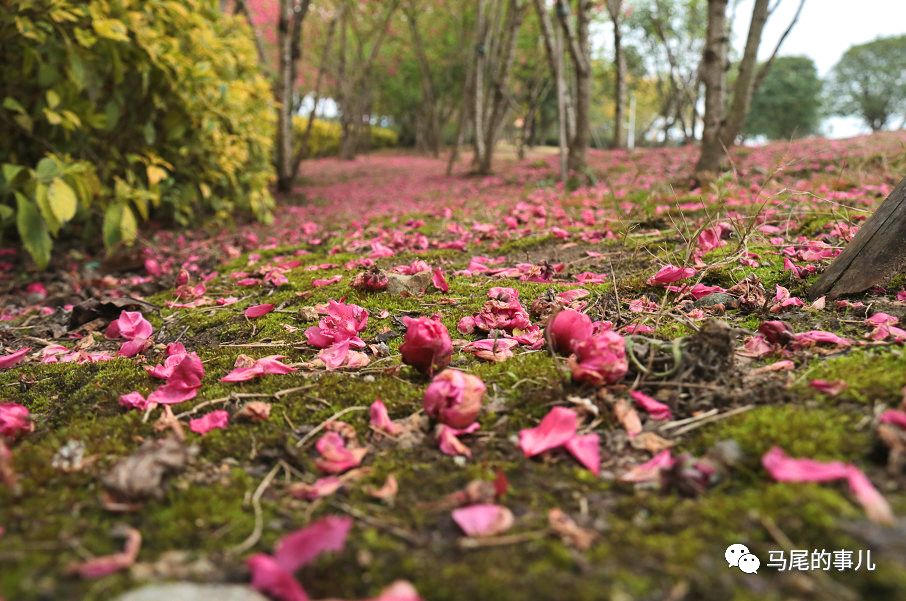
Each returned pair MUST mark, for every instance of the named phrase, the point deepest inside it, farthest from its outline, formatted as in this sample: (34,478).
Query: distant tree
(724,120)
(788,103)
(870,81)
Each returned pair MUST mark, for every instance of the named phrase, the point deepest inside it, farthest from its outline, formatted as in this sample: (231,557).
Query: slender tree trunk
(284,98)
(578,49)
(553,46)
(743,88)
(614,7)
(499,103)
(289,44)
(478,90)
(432,131)
(467,91)
(322,70)
(714,65)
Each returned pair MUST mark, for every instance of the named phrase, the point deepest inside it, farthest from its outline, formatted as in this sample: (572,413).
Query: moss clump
(820,433)
(871,375)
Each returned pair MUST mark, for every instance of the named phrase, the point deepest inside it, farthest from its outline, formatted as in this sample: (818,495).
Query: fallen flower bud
(568,328)
(426,346)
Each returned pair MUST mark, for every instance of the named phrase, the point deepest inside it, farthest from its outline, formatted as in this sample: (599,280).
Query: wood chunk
(877,252)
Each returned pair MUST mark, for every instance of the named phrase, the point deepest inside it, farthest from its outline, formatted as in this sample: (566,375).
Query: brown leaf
(628,416)
(141,475)
(255,411)
(387,491)
(651,442)
(569,531)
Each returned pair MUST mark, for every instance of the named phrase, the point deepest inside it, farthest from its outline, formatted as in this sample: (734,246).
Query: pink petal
(108,564)
(272,365)
(335,355)
(657,410)
(215,420)
(380,419)
(557,427)
(134,400)
(827,387)
(14,358)
(587,451)
(301,547)
(876,507)
(483,519)
(448,439)
(258,310)
(783,468)
(400,590)
(269,577)
(322,487)
(895,417)
(439,281)
(335,456)
(320,283)
(131,348)
(669,274)
(651,469)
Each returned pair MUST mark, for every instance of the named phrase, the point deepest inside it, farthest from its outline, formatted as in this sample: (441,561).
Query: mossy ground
(650,544)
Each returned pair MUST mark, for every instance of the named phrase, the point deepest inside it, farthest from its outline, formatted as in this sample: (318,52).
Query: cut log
(877,252)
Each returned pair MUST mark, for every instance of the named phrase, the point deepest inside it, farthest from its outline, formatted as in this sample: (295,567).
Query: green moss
(820,433)
(871,375)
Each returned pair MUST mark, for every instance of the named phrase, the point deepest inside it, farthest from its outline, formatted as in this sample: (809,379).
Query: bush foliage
(112,111)
(325,136)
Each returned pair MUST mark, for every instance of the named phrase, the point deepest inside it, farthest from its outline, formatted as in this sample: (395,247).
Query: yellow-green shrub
(112,111)
(324,139)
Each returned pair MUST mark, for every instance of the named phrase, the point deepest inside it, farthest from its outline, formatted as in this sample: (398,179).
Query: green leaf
(128,226)
(62,200)
(53,99)
(47,170)
(112,218)
(119,225)
(112,29)
(33,231)
(10,172)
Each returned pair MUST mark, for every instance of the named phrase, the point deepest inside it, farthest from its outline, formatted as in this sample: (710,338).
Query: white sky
(826,29)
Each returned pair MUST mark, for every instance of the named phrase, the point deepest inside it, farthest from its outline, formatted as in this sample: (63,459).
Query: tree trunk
(743,89)
(284,98)
(478,91)
(614,7)
(714,65)
(354,91)
(289,44)
(577,42)
(877,252)
(499,101)
(432,122)
(553,46)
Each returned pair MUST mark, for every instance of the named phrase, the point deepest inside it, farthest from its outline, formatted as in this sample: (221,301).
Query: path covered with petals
(420,386)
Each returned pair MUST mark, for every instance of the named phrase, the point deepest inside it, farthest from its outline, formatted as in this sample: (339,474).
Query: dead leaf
(569,531)
(651,441)
(254,411)
(141,475)
(387,491)
(628,416)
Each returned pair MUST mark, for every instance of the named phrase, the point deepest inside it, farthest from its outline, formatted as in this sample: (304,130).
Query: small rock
(408,285)
(188,591)
(70,457)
